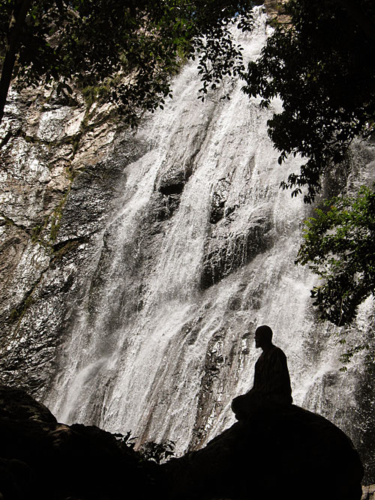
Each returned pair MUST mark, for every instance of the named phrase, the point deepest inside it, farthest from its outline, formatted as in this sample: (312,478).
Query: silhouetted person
(271,389)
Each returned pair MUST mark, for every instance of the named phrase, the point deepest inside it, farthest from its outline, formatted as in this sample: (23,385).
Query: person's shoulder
(276,351)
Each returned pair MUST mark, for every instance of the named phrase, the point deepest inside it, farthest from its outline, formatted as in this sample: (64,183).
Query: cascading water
(200,251)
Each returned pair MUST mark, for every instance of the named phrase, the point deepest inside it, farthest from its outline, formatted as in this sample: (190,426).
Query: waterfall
(199,251)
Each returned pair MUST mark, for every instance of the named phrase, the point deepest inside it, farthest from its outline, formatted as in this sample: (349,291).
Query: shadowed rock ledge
(291,454)
(42,459)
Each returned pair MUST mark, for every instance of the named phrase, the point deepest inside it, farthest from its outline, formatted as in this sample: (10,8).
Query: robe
(271,389)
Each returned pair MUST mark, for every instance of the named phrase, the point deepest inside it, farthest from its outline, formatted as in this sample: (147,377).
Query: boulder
(45,460)
(290,453)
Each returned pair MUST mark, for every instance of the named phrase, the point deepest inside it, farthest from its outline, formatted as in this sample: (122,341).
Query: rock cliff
(53,149)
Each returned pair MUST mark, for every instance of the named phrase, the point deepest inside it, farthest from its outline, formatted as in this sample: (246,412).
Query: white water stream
(169,368)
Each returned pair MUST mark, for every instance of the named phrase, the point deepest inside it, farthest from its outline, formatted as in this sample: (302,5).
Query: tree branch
(11,53)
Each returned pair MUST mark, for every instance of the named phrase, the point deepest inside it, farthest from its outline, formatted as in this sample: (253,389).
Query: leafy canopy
(339,247)
(322,67)
(131,46)
(321,63)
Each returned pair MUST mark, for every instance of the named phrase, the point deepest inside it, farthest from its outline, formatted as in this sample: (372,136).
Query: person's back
(271,389)
(271,377)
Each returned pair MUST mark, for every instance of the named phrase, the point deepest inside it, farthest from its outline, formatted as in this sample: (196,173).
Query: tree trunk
(11,53)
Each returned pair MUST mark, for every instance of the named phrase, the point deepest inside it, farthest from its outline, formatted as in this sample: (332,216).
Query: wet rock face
(229,247)
(170,186)
(225,253)
(173,182)
(56,195)
(219,207)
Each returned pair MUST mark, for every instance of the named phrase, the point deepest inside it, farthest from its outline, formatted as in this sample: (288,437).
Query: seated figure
(271,389)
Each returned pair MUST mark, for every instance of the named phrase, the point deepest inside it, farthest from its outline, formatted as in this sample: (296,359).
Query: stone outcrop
(368,492)
(290,454)
(275,11)
(42,459)
(228,246)
(225,252)
(281,454)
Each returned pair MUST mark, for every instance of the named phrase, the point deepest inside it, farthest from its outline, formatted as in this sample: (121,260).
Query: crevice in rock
(8,221)
(169,191)
(62,248)
(7,138)
(19,311)
(225,255)
(219,200)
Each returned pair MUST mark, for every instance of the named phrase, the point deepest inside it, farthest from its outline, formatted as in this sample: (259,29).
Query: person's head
(263,336)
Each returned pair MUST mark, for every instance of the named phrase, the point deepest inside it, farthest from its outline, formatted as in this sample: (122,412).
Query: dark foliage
(339,247)
(322,67)
(320,63)
(130,48)
(158,452)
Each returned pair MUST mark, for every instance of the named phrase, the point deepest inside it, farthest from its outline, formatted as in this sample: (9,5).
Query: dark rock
(290,454)
(92,192)
(162,208)
(173,181)
(168,192)
(225,254)
(42,459)
(17,405)
(219,200)
(175,188)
